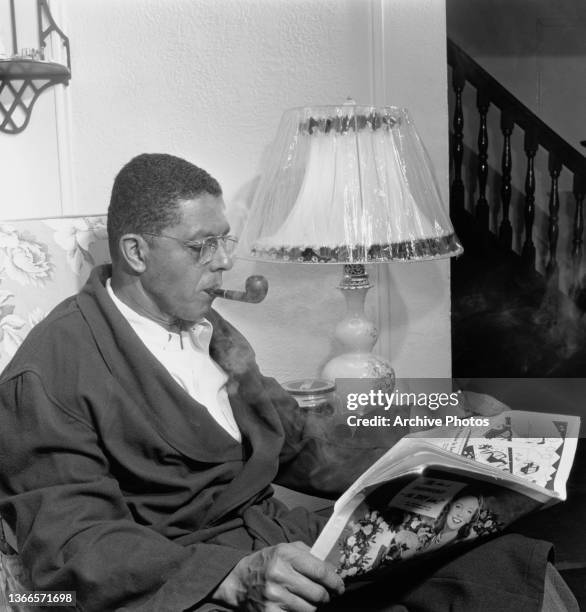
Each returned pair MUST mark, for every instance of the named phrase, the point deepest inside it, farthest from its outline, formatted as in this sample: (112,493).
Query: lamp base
(358,370)
(363,374)
(361,365)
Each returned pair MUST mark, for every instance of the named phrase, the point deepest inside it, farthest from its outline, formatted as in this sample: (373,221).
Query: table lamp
(349,185)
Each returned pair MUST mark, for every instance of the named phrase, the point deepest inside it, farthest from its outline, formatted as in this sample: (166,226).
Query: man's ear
(133,249)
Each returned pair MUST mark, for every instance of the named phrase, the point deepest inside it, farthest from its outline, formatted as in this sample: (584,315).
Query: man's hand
(282,577)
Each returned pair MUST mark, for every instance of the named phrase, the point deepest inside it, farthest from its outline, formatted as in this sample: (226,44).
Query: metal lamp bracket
(23,79)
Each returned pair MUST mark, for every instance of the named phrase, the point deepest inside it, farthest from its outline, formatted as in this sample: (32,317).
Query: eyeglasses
(204,250)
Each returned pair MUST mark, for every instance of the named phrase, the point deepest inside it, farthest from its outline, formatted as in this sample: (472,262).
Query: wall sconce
(25,73)
(349,185)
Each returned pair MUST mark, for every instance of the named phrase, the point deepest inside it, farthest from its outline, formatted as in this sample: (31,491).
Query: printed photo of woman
(457,518)
(390,533)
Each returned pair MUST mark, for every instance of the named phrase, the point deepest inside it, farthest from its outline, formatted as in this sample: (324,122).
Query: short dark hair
(147,192)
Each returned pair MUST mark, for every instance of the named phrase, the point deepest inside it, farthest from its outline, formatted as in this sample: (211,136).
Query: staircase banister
(516,111)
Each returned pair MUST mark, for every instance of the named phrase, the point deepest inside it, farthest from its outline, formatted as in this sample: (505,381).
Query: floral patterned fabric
(14,579)
(370,536)
(43,261)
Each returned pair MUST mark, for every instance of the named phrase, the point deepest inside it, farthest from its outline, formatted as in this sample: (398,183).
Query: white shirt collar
(186,357)
(156,336)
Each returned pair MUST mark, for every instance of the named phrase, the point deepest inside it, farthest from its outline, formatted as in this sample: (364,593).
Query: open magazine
(447,485)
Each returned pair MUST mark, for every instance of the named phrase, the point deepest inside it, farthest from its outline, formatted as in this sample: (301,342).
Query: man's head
(147,191)
(161,208)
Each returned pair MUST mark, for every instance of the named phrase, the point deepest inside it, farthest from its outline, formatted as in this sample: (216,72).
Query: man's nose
(221,259)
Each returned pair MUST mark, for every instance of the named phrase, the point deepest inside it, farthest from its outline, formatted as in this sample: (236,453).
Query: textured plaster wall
(29,162)
(208,80)
(411,72)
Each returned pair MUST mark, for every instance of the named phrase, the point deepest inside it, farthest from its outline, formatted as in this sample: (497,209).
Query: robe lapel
(183,423)
(262,432)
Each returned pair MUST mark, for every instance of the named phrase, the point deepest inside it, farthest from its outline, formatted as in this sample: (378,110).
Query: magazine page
(507,446)
(519,462)
(415,514)
(414,457)
(536,447)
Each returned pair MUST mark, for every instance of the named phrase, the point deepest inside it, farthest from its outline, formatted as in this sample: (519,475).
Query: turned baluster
(579,190)
(482,209)
(457,191)
(555,168)
(506,229)
(530,146)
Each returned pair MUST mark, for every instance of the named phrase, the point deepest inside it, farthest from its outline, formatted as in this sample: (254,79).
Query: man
(139,438)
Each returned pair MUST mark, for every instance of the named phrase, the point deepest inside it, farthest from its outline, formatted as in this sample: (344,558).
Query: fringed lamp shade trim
(414,250)
(347,184)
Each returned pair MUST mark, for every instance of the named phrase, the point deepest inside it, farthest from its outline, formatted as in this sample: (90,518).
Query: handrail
(467,69)
(536,133)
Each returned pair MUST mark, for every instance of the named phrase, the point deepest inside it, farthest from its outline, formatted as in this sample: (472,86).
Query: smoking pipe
(256,289)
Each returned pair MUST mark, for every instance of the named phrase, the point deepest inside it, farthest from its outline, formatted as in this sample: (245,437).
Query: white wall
(208,80)
(411,71)
(29,162)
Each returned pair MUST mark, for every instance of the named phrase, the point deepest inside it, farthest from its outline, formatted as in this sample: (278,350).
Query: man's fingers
(303,587)
(317,571)
(278,598)
(285,575)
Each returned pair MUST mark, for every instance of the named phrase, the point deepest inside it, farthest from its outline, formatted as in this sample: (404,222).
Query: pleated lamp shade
(348,184)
